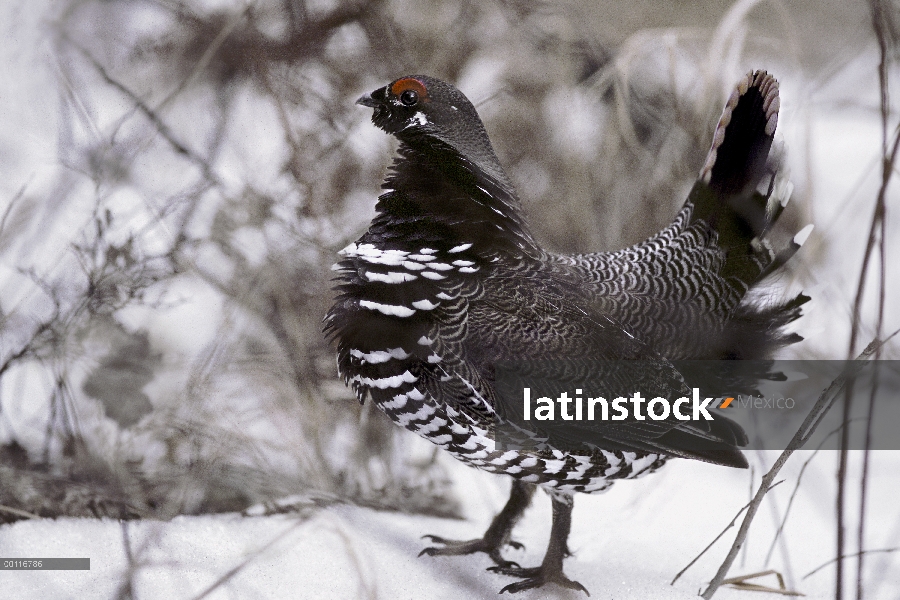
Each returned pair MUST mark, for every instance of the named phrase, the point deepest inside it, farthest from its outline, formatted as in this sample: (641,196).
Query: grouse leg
(497,534)
(551,569)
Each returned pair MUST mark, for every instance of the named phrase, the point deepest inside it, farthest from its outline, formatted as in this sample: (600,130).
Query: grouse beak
(367,100)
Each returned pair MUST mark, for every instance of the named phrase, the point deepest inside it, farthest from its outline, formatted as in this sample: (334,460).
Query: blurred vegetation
(160,344)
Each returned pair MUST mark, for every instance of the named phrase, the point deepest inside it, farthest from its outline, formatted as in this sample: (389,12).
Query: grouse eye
(409,97)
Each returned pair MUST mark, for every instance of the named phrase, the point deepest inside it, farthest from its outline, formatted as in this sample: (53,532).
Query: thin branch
(797,488)
(718,537)
(18,512)
(152,116)
(802,435)
(834,560)
(12,203)
(239,567)
(877,231)
(126,588)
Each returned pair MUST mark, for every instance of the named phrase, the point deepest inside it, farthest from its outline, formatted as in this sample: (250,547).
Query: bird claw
(505,564)
(434,538)
(457,548)
(535,577)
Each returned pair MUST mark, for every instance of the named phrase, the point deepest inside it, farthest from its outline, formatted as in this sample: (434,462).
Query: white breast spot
(554,466)
(399,401)
(374,255)
(379,356)
(433,425)
(640,466)
(386,382)
(439,266)
(425,411)
(425,304)
(390,277)
(387,309)
(611,458)
(471,444)
(459,429)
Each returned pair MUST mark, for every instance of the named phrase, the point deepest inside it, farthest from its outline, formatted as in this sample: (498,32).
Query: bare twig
(238,568)
(12,203)
(822,405)
(718,537)
(834,560)
(797,488)
(161,127)
(877,232)
(126,587)
(20,513)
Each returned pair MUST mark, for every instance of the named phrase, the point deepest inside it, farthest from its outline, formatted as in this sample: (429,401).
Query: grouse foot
(496,536)
(535,577)
(551,569)
(490,545)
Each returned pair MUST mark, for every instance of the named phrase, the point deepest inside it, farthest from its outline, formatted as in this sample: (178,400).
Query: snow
(628,544)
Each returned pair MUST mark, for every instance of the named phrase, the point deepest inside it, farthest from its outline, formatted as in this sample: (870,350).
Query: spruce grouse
(448,284)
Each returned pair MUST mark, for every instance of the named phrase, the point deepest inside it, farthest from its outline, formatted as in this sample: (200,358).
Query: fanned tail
(728,198)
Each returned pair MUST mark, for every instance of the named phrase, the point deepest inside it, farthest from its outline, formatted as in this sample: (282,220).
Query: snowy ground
(628,544)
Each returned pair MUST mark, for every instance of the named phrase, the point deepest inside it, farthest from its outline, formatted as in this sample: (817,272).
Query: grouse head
(418,104)
(430,115)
